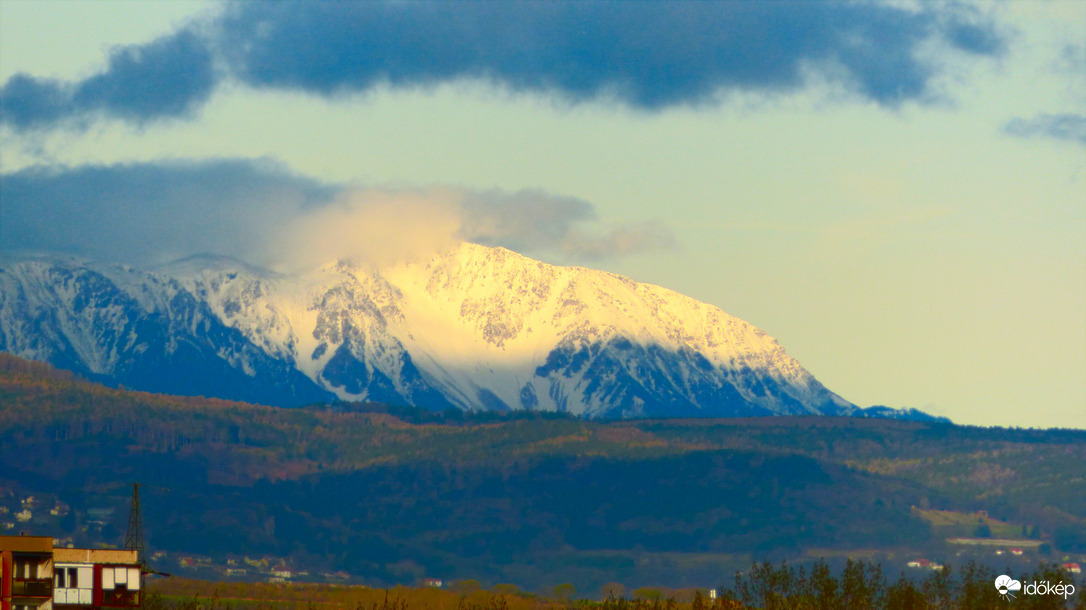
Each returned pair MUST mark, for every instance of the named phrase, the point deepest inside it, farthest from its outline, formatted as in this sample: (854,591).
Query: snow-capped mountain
(474,328)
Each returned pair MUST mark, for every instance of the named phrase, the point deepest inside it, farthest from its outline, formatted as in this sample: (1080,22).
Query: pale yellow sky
(916,256)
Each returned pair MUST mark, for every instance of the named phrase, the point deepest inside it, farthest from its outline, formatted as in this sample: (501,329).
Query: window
(66,578)
(25,568)
(72,577)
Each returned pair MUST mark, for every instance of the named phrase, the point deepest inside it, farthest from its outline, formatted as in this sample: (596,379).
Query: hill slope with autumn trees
(391,494)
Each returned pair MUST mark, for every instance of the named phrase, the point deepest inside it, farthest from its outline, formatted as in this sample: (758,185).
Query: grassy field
(949,523)
(189,594)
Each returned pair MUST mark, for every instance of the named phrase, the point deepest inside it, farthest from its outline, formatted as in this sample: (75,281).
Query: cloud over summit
(648,55)
(259,212)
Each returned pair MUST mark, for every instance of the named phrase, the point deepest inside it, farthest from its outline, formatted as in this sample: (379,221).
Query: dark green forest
(391,495)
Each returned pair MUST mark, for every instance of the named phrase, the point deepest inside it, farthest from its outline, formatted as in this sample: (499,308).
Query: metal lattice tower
(133,540)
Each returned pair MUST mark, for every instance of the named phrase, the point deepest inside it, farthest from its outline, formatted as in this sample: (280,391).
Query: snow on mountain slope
(144,330)
(474,327)
(487,318)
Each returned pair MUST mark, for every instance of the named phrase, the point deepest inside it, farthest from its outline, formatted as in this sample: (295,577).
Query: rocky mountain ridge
(473,327)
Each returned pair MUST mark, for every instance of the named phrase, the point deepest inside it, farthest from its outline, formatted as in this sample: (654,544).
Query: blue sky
(894,190)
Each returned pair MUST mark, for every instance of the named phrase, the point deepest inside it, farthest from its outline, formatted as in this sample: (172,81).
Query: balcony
(120,598)
(32,587)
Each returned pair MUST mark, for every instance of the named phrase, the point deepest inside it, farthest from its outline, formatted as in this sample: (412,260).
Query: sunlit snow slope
(474,328)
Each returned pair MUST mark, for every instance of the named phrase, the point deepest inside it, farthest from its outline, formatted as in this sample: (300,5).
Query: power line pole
(133,540)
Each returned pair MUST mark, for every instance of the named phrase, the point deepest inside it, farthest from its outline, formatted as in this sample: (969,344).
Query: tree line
(860,585)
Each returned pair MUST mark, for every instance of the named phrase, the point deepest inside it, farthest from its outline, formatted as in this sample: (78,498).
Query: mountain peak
(474,327)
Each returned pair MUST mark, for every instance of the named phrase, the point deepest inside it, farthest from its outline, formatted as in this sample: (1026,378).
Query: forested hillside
(392,495)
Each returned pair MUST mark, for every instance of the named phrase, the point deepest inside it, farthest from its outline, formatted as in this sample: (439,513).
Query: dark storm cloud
(151,212)
(1060,126)
(169,77)
(648,55)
